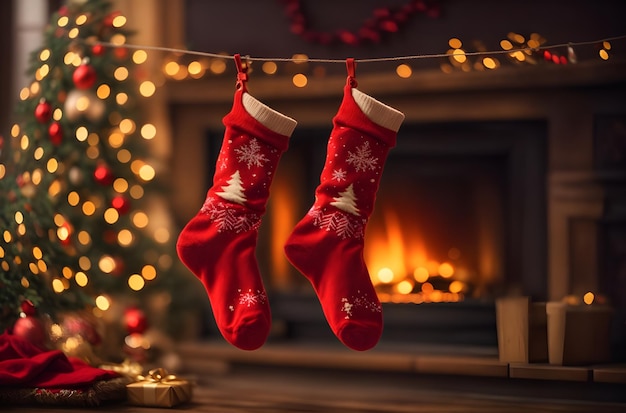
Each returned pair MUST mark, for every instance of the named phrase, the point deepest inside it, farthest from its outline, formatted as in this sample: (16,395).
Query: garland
(382,21)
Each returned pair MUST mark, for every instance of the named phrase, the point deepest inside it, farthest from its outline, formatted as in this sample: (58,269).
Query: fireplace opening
(459,219)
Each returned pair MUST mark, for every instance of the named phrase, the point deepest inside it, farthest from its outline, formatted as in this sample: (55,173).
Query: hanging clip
(351,66)
(242,73)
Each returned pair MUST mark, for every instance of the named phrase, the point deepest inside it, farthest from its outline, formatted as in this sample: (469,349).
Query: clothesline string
(368,60)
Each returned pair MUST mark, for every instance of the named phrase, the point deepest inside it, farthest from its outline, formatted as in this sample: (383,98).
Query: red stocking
(218,244)
(327,244)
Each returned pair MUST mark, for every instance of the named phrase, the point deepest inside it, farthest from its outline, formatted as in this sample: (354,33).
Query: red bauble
(30,329)
(121,204)
(78,326)
(27,307)
(97,50)
(55,133)
(43,112)
(135,321)
(121,52)
(103,175)
(84,76)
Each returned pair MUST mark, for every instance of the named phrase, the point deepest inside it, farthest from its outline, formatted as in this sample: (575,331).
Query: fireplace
(459,220)
(508,182)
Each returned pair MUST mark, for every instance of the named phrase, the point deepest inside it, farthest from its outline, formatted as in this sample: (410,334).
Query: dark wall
(261,28)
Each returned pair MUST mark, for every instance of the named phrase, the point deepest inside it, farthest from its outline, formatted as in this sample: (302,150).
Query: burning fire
(400,267)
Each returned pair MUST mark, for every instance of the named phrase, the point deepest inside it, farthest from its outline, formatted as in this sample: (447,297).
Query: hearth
(459,219)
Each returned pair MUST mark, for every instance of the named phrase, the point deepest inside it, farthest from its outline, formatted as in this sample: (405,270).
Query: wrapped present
(160,389)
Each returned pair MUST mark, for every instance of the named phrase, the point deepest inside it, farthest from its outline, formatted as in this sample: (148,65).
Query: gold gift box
(159,389)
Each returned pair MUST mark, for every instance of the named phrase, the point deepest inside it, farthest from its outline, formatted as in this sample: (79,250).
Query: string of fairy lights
(515,48)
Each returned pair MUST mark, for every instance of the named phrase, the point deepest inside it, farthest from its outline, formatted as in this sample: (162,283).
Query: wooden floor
(274,390)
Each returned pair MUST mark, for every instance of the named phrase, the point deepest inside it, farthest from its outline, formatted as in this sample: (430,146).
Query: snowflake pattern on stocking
(250,154)
(359,302)
(228,219)
(362,158)
(343,225)
(249,298)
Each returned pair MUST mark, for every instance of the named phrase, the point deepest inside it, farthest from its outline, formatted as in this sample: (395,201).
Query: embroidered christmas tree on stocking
(327,244)
(218,244)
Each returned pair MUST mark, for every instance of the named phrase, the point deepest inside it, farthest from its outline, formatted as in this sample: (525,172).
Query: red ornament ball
(55,132)
(43,112)
(78,326)
(121,204)
(84,76)
(31,329)
(103,175)
(97,50)
(135,321)
(28,308)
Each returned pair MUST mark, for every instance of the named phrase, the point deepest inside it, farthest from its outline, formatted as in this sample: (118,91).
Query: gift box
(159,389)
(522,330)
(578,334)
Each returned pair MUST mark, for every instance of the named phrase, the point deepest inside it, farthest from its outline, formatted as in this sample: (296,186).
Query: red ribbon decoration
(384,20)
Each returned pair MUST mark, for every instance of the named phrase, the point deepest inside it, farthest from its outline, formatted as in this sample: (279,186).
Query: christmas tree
(76,177)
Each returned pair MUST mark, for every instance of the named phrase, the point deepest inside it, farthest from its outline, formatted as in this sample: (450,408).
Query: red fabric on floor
(23,364)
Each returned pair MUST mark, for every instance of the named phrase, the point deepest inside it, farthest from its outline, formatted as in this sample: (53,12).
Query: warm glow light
(300,80)
(385,275)
(162,235)
(81,278)
(116,139)
(121,98)
(506,45)
(446,270)
(140,219)
(421,274)
(81,133)
(217,66)
(127,126)
(604,55)
(125,237)
(269,68)
(38,154)
(140,56)
(148,272)
(57,286)
(63,21)
(24,142)
(171,68)
(119,21)
(124,156)
(121,73)
(148,131)
(427,288)
(84,238)
(81,19)
(404,71)
(118,39)
(120,185)
(588,298)
(111,216)
(147,88)
(102,303)
(146,172)
(455,43)
(459,55)
(84,263)
(73,33)
(136,282)
(106,264)
(89,208)
(103,91)
(456,287)
(194,68)
(404,287)
(489,63)
(136,191)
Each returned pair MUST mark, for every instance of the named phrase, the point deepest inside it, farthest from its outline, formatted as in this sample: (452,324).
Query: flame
(282,221)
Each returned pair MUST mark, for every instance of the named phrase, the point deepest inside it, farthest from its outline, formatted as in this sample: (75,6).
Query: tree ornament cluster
(383,21)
